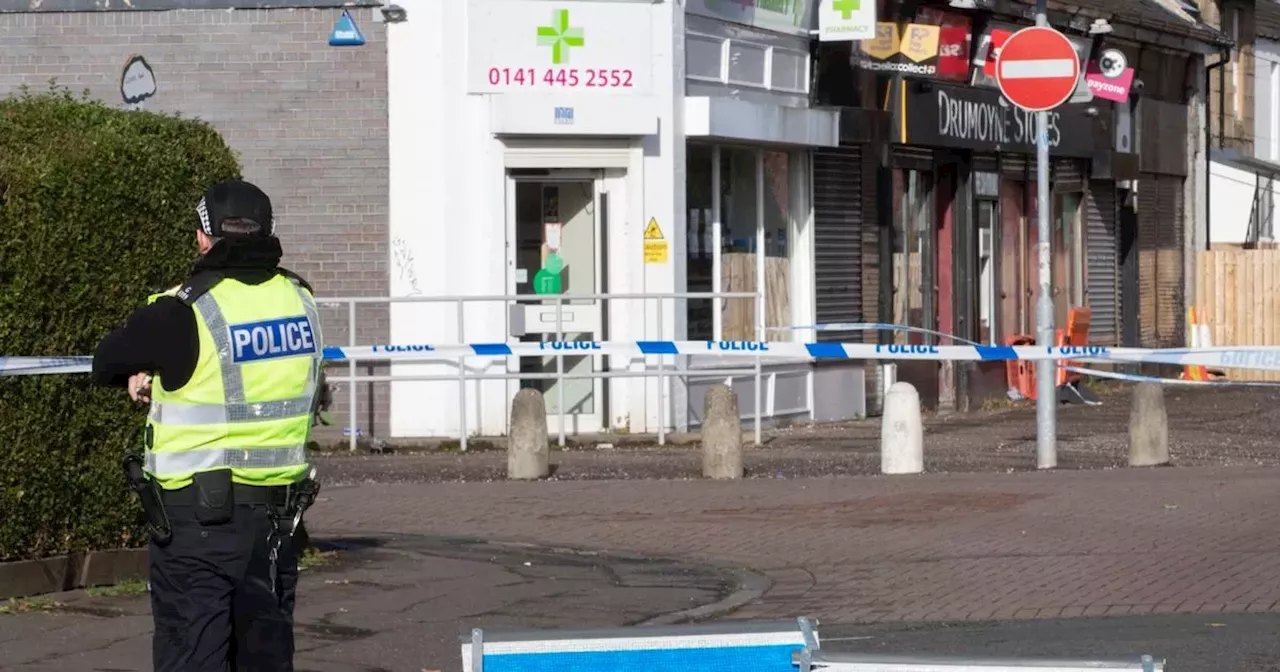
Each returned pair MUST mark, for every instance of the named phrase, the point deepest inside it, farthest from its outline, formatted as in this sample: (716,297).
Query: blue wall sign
(345,32)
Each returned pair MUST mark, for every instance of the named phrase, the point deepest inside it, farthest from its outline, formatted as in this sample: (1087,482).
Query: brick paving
(941,547)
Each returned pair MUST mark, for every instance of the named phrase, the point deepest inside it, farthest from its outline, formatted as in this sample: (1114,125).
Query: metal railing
(560,302)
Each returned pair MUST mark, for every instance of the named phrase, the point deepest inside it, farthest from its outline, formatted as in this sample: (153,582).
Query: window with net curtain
(755,217)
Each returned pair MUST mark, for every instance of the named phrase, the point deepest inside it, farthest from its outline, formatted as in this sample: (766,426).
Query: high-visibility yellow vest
(248,405)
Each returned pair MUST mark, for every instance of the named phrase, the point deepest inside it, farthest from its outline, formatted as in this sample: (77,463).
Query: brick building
(309,121)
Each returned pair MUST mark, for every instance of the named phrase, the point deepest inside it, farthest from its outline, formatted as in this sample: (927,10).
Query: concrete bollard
(528,453)
(902,431)
(1148,427)
(721,434)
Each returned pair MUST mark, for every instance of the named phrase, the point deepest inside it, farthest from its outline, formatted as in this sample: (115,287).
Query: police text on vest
(272,339)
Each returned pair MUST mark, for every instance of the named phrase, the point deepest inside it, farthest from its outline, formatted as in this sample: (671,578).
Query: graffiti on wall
(402,257)
(137,81)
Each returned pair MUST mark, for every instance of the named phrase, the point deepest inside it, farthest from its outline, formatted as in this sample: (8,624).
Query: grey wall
(309,122)
(1266,55)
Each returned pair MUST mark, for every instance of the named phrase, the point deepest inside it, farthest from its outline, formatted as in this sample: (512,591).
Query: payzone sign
(542,47)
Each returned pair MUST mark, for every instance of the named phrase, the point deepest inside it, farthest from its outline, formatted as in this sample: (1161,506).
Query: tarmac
(386,602)
(982,556)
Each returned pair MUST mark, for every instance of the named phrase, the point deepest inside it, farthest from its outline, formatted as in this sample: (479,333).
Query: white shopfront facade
(532,146)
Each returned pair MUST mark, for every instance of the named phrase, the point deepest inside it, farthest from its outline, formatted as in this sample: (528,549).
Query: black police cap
(234,199)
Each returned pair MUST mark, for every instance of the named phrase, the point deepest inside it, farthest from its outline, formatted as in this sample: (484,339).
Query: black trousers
(212,598)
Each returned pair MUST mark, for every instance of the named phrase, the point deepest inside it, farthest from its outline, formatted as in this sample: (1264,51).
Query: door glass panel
(739,217)
(555,231)
(700,262)
(1011,292)
(988,283)
(1066,282)
(914,298)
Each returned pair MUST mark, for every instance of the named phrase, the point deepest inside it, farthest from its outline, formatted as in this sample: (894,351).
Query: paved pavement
(388,602)
(1213,427)
(982,556)
(1187,642)
(930,548)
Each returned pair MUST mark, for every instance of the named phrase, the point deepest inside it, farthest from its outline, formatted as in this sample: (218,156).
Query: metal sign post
(1038,69)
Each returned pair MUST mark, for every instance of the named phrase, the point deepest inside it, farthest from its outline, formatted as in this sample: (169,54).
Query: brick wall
(1236,18)
(309,122)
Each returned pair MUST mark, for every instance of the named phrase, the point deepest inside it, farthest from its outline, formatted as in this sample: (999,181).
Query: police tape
(1113,375)
(30,366)
(1250,357)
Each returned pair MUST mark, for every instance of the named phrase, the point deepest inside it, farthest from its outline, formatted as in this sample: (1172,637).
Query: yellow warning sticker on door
(652,231)
(656,252)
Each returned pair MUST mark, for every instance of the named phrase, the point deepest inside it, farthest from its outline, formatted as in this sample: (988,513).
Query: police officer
(229,361)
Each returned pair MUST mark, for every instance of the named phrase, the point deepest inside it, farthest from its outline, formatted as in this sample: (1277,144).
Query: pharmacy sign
(846,20)
(560,36)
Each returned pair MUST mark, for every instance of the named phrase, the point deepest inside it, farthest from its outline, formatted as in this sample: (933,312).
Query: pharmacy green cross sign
(559,36)
(846,8)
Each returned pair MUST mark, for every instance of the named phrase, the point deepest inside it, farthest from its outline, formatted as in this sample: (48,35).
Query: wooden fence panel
(1240,301)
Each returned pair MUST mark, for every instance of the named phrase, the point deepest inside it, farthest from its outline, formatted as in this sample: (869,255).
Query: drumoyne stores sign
(952,116)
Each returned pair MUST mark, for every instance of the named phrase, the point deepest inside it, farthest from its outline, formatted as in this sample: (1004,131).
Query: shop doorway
(556,228)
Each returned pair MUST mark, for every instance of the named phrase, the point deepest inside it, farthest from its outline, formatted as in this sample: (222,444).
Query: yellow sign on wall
(920,42)
(656,249)
(886,42)
(656,252)
(653,231)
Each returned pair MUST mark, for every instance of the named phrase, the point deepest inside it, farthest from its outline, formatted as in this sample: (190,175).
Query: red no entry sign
(1037,68)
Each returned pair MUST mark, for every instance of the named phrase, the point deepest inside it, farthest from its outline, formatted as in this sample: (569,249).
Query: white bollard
(528,453)
(721,434)
(1148,427)
(902,431)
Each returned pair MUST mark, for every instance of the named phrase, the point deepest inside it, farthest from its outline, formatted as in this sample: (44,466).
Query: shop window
(988,269)
(1068,256)
(914,256)
(753,210)
(699,240)
(1015,265)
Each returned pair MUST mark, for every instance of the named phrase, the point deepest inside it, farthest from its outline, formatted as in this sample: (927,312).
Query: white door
(555,243)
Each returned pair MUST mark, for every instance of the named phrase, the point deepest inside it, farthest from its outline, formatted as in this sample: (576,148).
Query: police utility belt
(213,496)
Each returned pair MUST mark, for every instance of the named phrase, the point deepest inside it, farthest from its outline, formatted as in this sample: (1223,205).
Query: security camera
(393,13)
(1137,85)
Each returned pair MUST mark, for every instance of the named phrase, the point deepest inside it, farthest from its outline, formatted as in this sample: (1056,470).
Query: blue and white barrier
(1249,357)
(857,662)
(742,646)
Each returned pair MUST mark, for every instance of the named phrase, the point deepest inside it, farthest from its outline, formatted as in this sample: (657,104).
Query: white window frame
(1273,112)
(799,251)
(727,47)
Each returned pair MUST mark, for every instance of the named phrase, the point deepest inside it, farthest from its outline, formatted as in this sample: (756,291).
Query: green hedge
(97,210)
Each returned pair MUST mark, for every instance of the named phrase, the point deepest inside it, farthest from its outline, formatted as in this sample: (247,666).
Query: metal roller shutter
(1016,165)
(1170,273)
(915,158)
(1067,175)
(837,236)
(1102,288)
